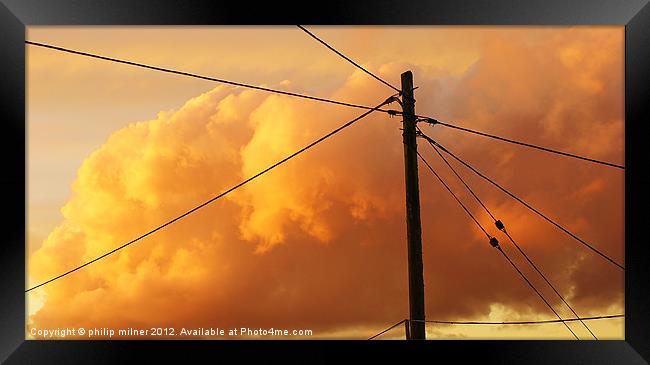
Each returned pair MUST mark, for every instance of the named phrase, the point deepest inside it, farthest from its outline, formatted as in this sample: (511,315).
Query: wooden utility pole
(407,329)
(413,226)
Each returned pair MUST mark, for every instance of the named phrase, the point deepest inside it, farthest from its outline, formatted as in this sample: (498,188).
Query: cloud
(318,242)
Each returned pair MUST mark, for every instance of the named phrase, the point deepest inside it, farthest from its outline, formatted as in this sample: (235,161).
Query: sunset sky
(319,243)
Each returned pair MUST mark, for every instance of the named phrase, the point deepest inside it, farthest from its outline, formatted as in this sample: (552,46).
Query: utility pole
(413,226)
(407,329)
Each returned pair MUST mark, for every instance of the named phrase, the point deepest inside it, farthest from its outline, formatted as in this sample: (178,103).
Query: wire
(521,322)
(220,195)
(496,244)
(458,176)
(454,195)
(434,122)
(548,321)
(501,227)
(388,329)
(528,205)
(547,281)
(536,291)
(67,50)
(348,59)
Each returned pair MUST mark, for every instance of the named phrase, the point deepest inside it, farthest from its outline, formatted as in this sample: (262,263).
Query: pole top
(407,83)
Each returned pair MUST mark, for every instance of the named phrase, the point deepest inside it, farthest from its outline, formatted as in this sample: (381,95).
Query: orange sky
(319,243)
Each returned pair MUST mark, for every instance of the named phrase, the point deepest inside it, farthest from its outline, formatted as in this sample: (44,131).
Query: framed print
(211,178)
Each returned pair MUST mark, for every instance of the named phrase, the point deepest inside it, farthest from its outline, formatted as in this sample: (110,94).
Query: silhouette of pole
(407,329)
(413,225)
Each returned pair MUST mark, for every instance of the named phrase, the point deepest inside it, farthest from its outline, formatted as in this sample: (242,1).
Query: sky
(319,243)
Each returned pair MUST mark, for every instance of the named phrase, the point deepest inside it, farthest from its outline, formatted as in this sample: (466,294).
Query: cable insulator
(499,225)
(494,242)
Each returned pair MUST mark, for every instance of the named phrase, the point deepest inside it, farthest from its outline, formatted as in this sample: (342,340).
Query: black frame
(15,15)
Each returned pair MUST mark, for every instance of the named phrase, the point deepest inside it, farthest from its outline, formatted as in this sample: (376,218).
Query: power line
(528,205)
(547,281)
(457,175)
(260,88)
(536,291)
(388,329)
(390,99)
(549,321)
(495,243)
(501,227)
(348,59)
(545,149)
(309,97)
(454,195)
